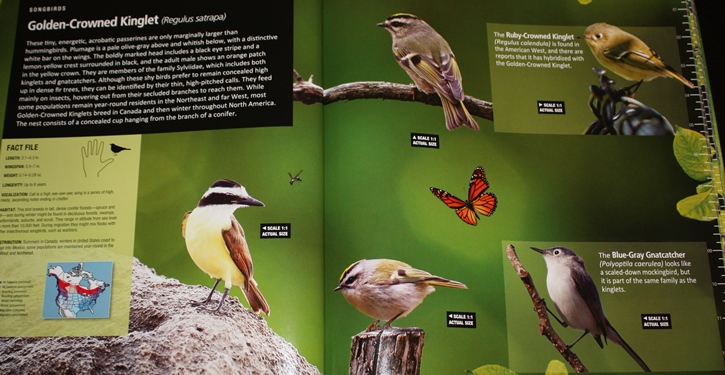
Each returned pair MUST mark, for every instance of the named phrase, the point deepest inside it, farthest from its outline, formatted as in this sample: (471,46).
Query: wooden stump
(387,352)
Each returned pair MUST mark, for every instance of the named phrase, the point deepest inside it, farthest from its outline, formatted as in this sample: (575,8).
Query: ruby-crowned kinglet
(386,289)
(626,55)
(429,61)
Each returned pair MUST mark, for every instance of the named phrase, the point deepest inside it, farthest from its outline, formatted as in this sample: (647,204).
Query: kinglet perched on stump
(429,61)
(627,56)
(386,289)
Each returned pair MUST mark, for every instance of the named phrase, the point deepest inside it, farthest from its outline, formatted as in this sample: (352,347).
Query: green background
(373,188)
(551,188)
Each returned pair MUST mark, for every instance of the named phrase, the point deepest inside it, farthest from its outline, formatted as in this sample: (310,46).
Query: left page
(118,117)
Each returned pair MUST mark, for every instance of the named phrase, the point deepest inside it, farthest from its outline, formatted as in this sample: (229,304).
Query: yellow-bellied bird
(217,245)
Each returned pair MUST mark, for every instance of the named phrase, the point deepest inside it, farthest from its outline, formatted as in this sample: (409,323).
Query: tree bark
(389,351)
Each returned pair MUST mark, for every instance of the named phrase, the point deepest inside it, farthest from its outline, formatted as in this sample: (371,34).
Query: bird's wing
(452,75)
(444,76)
(407,274)
(588,290)
(648,60)
(183,224)
(238,249)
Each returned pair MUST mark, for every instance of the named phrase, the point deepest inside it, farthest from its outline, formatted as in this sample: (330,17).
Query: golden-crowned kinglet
(386,289)
(626,55)
(429,61)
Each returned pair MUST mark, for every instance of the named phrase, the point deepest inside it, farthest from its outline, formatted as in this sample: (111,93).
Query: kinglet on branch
(429,61)
(386,289)
(627,56)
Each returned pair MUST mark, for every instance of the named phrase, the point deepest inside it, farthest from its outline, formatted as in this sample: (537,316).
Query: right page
(589,162)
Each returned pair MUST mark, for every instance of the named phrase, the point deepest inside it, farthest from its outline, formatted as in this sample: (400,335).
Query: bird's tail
(457,115)
(255,298)
(613,335)
(673,73)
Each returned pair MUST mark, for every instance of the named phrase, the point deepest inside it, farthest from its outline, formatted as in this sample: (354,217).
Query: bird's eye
(396,23)
(598,36)
(350,280)
(557,252)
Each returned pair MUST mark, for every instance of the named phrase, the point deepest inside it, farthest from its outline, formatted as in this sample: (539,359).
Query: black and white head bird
(217,245)
(576,298)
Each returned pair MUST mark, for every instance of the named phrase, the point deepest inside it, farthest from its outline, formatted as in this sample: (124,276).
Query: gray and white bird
(216,242)
(430,63)
(576,299)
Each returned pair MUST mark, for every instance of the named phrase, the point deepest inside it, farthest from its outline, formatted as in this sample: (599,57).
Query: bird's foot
(373,326)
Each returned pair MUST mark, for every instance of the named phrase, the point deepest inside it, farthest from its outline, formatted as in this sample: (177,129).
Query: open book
(119,116)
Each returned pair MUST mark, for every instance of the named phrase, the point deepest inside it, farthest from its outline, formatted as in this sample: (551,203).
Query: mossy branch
(310,93)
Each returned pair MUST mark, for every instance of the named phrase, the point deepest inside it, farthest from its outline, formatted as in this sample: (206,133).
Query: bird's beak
(537,250)
(582,37)
(338,288)
(383,24)
(251,202)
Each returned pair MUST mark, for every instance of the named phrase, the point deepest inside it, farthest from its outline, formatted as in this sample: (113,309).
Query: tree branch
(540,306)
(310,93)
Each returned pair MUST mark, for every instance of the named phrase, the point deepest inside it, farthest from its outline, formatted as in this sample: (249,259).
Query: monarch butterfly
(478,201)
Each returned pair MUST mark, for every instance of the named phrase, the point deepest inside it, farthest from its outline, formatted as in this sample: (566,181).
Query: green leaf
(690,149)
(717,177)
(492,370)
(701,206)
(704,187)
(556,368)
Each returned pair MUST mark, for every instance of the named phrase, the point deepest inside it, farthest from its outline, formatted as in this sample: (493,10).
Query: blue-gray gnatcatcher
(576,299)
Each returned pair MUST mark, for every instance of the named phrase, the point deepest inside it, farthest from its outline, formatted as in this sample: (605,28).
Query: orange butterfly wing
(478,184)
(485,204)
(449,199)
(478,200)
(467,214)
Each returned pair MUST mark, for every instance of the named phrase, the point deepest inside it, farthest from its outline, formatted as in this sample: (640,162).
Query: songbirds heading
(386,289)
(627,55)
(216,243)
(430,63)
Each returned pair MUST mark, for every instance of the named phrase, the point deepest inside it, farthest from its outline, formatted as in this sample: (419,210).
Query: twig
(540,306)
(310,93)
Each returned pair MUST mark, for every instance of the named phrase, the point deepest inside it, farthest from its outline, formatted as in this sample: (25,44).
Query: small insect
(479,202)
(295,178)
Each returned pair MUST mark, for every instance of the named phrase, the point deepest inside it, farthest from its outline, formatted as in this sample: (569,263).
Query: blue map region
(74,290)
